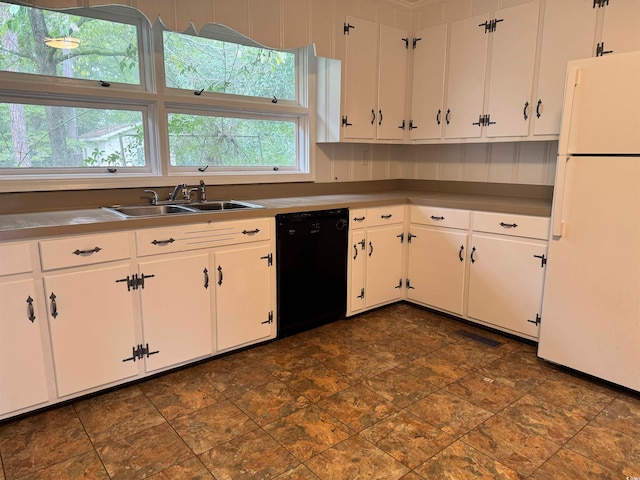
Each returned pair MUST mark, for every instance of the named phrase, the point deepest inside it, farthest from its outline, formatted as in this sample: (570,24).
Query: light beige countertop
(22,226)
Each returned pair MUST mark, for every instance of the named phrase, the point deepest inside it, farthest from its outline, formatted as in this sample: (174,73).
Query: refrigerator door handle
(558,197)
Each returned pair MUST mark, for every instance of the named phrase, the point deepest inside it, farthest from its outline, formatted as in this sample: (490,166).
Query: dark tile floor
(397,393)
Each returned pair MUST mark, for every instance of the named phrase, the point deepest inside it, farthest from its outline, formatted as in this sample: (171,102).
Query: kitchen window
(82,96)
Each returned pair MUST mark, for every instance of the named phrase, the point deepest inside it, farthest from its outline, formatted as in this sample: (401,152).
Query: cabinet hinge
(347,28)
(415,42)
(600,51)
(600,3)
(401,237)
(134,281)
(411,125)
(409,285)
(139,352)
(409,237)
(399,283)
(268,258)
(406,42)
(537,321)
(269,318)
(345,121)
(490,25)
(361,296)
(543,260)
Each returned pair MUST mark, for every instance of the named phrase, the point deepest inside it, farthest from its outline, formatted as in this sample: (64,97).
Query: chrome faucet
(181,187)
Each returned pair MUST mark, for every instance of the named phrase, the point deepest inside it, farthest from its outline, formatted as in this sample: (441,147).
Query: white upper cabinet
(513,56)
(375,81)
(468,44)
(429,57)
(621,27)
(562,40)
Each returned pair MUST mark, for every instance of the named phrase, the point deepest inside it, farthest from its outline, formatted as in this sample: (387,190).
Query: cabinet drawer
(440,217)
(385,215)
(85,250)
(203,235)
(357,218)
(508,224)
(15,258)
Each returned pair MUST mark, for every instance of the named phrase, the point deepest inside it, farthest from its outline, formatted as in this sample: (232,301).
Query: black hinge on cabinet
(490,25)
(406,43)
(409,285)
(600,51)
(345,122)
(269,318)
(403,126)
(361,296)
(543,260)
(411,125)
(537,321)
(401,237)
(399,283)
(139,351)
(409,237)
(347,28)
(134,282)
(415,42)
(600,3)
(268,258)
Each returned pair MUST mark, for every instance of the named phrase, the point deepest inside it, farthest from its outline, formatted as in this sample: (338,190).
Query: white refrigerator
(591,306)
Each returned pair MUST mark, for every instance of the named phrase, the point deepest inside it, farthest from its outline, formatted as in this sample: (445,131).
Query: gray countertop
(41,224)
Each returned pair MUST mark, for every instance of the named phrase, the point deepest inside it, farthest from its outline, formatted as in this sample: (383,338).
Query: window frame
(156,101)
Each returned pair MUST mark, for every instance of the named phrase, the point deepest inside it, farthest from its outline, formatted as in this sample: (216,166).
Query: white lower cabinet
(436,271)
(506,281)
(176,308)
(482,266)
(376,249)
(91,321)
(245,295)
(23,379)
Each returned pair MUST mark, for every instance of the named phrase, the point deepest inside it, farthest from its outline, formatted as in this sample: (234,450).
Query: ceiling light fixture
(65,43)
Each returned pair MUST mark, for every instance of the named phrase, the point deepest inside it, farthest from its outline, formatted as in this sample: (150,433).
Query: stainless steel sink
(148,210)
(222,205)
(129,211)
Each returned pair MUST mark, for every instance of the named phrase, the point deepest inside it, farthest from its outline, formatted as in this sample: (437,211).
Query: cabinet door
(91,316)
(506,281)
(360,70)
(176,308)
(513,56)
(437,263)
(384,279)
(429,57)
(465,81)
(562,41)
(621,26)
(244,295)
(357,260)
(22,373)
(391,119)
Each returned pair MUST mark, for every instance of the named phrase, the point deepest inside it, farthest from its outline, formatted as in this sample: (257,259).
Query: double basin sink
(129,211)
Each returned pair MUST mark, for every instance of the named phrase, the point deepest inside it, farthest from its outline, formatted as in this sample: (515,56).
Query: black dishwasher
(311,249)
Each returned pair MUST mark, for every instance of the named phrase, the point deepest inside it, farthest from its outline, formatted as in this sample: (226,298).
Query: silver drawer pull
(87,252)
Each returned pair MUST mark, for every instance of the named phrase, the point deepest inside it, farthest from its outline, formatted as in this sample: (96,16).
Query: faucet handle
(154,198)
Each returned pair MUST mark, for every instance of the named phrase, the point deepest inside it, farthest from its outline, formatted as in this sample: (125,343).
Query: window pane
(87,48)
(196,140)
(196,63)
(36,136)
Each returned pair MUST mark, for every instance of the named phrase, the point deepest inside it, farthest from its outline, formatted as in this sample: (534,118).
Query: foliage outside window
(89,106)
